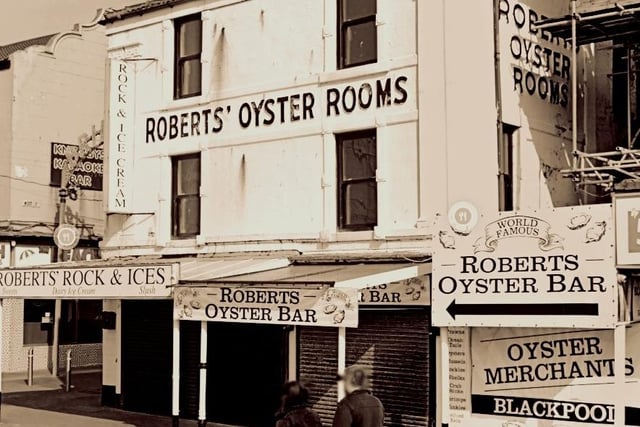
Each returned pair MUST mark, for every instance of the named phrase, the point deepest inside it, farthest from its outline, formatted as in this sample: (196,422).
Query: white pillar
(292,366)
(57,315)
(619,342)
(444,386)
(175,390)
(342,357)
(1,347)
(202,402)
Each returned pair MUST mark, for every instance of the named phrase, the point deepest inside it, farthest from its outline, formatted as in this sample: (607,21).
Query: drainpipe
(498,100)
(574,86)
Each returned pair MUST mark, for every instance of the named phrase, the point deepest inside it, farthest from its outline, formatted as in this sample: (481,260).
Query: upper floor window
(357,187)
(357,33)
(505,163)
(187,67)
(185,189)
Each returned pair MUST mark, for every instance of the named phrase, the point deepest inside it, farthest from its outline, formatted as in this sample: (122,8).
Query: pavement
(47,404)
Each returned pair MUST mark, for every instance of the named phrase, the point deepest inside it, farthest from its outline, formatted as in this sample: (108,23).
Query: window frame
(343,184)
(178,61)
(344,25)
(506,170)
(175,197)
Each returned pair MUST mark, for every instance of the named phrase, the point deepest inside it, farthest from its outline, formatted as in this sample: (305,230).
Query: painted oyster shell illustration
(196,304)
(447,240)
(338,317)
(188,311)
(595,232)
(579,221)
(330,308)
(333,293)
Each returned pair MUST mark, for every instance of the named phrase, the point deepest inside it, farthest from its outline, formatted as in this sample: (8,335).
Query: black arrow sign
(573,309)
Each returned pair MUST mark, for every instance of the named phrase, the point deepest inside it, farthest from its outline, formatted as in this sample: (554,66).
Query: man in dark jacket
(359,408)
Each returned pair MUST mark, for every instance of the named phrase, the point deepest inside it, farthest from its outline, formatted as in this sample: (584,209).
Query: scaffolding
(598,21)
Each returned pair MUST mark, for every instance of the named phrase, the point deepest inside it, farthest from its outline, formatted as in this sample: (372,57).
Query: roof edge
(110,16)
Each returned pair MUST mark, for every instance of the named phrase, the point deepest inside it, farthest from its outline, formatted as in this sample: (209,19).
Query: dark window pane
(188,176)
(361,203)
(186,196)
(190,38)
(353,9)
(35,330)
(359,158)
(360,43)
(191,78)
(187,67)
(188,211)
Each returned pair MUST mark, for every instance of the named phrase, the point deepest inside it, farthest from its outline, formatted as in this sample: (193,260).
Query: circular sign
(463,217)
(66,236)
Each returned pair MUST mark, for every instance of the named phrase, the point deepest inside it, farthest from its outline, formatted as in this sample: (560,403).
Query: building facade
(53,92)
(280,148)
(535,305)
(262,129)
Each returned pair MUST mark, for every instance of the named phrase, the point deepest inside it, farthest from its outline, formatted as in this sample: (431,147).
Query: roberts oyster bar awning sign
(111,281)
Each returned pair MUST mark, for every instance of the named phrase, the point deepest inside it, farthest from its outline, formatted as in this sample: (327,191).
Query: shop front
(241,337)
(89,281)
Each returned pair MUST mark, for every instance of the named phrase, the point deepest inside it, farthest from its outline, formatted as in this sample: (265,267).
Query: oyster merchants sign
(563,375)
(131,281)
(300,306)
(552,268)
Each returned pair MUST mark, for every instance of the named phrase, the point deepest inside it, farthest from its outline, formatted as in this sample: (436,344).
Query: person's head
(356,377)
(294,393)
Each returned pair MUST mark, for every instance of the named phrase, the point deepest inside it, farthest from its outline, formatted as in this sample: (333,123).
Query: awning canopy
(315,295)
(207,269)
(618,22)
(359,276)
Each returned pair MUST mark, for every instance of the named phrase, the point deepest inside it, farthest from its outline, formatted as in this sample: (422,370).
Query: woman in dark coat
(294,408)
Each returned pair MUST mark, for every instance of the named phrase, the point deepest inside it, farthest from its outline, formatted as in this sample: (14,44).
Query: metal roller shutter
(189,368)
(146,355)
(395,344)
(318,365)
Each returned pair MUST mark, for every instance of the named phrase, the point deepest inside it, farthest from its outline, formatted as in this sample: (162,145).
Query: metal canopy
(617,22)
(358,276)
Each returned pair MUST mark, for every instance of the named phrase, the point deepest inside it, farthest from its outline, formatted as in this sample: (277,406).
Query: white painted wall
(268,182)
(57,94)
(270,187)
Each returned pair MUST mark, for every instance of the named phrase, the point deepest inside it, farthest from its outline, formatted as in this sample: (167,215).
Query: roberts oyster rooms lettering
(527,270)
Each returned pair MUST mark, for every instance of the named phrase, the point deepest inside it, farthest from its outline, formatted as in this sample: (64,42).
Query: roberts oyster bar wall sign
(551,268)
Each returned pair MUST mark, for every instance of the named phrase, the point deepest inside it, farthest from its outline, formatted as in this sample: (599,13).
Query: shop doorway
(146,355)
(246,368)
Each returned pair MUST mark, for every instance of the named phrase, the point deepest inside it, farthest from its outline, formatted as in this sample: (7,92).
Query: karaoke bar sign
(141,281)
(300,306)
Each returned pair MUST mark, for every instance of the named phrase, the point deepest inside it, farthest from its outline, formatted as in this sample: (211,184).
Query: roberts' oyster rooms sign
(547,268)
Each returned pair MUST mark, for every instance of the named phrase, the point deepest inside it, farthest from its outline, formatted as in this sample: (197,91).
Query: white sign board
(542,377)
(121,135)
(627,208)
(414,291)
(138,282)
(278,306)
(552,268)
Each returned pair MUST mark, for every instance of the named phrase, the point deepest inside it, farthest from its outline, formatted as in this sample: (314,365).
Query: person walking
(294,407)
(360,408)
